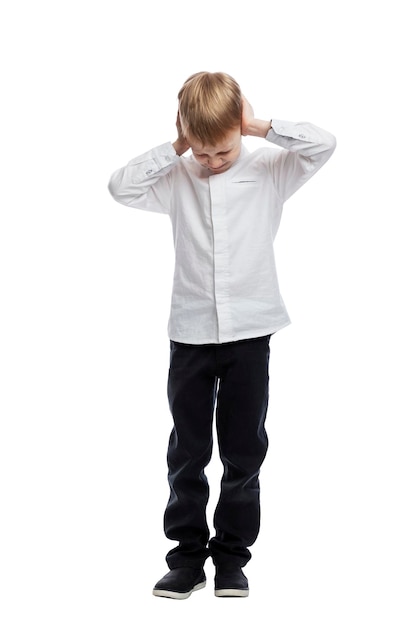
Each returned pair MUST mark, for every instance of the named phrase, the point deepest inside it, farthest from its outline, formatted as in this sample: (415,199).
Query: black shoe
(230,581)
(180,582)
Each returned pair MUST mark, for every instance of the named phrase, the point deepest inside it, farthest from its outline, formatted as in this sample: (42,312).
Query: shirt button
(302,136)
(148,172)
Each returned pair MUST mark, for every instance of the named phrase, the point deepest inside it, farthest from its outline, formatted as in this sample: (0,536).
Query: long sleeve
(144,182)
(306,149)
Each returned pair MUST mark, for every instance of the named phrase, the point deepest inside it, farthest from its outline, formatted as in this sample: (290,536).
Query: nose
(215,162)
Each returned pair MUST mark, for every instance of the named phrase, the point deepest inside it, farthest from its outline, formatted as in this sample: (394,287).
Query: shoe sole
(176,595)
(231,593)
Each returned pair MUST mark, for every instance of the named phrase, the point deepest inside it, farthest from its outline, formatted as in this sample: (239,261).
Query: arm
(143,183)
(306,147)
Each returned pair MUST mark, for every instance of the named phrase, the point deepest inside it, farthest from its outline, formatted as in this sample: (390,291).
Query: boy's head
(210,109)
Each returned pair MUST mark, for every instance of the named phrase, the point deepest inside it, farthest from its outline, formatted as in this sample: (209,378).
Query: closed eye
(206,155)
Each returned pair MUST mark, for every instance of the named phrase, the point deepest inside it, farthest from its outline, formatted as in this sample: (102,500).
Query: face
(222,155)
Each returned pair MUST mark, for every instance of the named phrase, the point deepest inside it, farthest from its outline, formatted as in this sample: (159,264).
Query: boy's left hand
(247,116)
(250,125)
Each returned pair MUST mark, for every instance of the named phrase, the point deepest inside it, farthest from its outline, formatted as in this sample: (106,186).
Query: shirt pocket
(243,183)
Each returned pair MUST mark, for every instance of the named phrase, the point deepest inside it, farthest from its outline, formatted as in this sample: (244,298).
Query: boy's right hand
(181,145)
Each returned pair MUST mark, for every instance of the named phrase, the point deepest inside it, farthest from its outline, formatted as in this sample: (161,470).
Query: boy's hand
(247,116)
(181,145)
(251,125)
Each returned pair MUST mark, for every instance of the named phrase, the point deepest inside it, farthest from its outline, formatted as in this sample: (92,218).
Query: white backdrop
(85,291)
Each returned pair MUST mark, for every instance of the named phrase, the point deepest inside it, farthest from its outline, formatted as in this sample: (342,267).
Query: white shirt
(225,285)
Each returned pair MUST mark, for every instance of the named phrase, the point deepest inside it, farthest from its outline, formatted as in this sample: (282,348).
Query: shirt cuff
(283,128)
(156,159)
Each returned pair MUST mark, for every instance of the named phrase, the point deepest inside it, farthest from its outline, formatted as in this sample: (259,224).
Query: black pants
(236,375)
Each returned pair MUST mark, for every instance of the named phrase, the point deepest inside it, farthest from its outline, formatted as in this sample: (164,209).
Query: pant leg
(191,392)
(242,404)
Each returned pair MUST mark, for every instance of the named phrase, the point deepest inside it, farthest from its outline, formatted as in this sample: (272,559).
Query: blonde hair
(210,105)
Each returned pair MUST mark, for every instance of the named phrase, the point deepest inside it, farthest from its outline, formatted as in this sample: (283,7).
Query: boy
(225,205)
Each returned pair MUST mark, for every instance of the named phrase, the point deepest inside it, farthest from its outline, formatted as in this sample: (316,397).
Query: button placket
(221,257)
